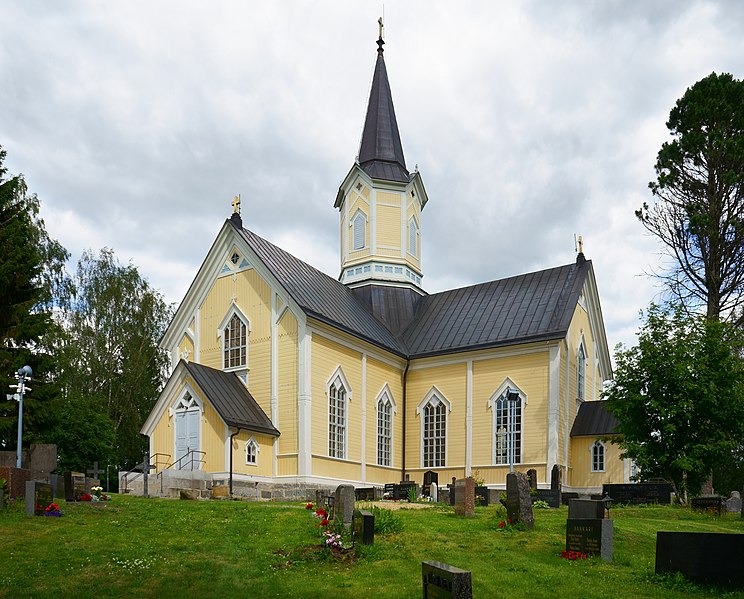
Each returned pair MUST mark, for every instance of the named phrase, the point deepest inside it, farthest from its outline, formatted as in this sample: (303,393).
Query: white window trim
(385,391)
(339,375)
(507,384)
(252,442)
(196,406)
(432,396)
(598,443)
(354,219)
(235,310)
(581,398)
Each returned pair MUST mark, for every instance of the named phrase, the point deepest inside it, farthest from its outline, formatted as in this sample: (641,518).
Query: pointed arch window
(580,374)
(234,332)
(359,230)
(385,410)
(433,411)
(251,452)
(598,457)
(338,397)
(413,233)
(507,404)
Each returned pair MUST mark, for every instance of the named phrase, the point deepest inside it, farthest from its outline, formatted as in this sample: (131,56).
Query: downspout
(231,459)
(403,457)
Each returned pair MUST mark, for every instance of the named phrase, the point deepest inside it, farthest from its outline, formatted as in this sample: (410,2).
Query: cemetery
(366,543)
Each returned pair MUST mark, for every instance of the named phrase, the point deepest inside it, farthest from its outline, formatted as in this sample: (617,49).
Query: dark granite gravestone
(343,504)
(364,527)
(74,486)
(429,477)
(637,493)
(365,493)
(38,496)
(590,536)
(481,496)
(443,580)
(532,476)
(548,496)
(556,481)
(585,509)
(707,503)
(711,557)
(402,489)
(518,499)
(465,497)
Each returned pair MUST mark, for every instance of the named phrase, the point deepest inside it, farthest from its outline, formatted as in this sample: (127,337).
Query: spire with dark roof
(381,153)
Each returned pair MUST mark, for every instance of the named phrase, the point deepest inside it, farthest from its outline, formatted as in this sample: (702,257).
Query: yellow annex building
(284,379)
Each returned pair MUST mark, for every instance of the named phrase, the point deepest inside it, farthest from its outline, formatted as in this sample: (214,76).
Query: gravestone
(365,493)
(429,477)
(733,503)
(711,557)
(590,536)
(548,496)
(2,498)
(343,503)
(38,496)
(434,492)
(707,503)
(465,497)
(518,499)
(443,580)
(364,527)
(532,476)
(556,481)
(481,496)
(586,509)
(637,493)
(74,486)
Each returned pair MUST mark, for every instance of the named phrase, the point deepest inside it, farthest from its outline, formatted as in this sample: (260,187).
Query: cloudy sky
(531,122)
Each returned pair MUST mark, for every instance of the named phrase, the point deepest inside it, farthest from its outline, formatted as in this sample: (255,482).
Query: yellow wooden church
(287,380)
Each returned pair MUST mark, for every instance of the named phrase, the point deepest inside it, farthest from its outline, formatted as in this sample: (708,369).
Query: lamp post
(512,398)
(22,375)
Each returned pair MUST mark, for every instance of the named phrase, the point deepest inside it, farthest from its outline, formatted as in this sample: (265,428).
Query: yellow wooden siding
(287,392)
(287,465)
(388,226)
(451,382)
(162,441)
(581,475)
(530,373)
(338,469)
(388,197)
(379,475)
(327,356)
(378,375)
(212,439)
(264,463)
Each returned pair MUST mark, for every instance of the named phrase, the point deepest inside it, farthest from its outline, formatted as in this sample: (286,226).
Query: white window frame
(413,236)
(386,396)
(358,227)
(235,311)
(581,373)
(252,444)
(598,451)
(433,398)
(494,404)
(338,432)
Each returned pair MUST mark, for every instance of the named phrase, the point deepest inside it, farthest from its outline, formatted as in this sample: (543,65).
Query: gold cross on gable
(379,22)
(236,204)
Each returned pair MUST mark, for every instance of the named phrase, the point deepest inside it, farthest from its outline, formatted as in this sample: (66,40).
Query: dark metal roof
(392,305)
(530,307)
(233,402)
(380,151)
(593,420)
(321,296)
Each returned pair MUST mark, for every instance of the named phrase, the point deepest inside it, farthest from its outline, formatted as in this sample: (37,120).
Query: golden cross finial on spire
(236,204)
(379,22)
(581,245)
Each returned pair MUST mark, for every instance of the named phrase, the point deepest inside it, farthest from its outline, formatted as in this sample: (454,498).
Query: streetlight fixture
(512,399)
(22,375)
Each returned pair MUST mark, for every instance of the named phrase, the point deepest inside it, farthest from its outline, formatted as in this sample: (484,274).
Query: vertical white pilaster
(197,335)
(469,419)
(364,418)
(568,406)
(274,380)
(304,402)
(373,221)
(553,402)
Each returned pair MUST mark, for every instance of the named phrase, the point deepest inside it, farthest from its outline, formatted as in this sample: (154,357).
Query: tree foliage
(698,209)
(32,275)
(109,353)
(678,395)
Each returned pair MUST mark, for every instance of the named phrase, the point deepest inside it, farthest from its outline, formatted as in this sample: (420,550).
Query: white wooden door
(187,438)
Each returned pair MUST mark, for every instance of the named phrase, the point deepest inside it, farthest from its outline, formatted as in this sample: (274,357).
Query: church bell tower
(380,201)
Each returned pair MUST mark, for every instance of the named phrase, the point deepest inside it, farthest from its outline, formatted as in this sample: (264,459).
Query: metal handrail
(144,469)
(189,453)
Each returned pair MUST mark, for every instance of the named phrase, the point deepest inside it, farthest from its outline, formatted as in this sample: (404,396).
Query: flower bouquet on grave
(53,510)
(86,497)
(97,494)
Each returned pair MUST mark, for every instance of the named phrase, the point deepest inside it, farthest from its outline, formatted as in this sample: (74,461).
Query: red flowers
(52,507)
(504,524)
(309,506)
(86,497)
(321,514)
(324,522)
(573,555)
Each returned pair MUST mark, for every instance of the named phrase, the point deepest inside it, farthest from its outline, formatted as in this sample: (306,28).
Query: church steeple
(380,202)
(380,151)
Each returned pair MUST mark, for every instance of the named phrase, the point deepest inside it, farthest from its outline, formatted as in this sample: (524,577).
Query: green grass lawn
(135,547)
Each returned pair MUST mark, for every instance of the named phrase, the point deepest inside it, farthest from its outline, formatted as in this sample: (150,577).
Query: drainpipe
(231,458)
(403,457)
